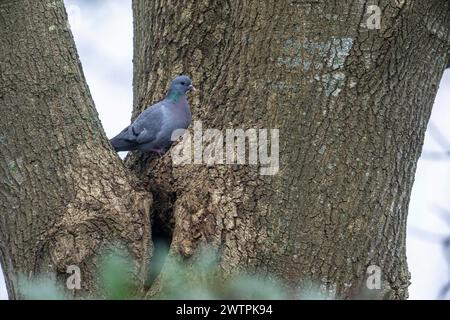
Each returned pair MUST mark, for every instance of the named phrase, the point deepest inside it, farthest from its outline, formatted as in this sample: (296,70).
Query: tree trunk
(64,194)
(351,104)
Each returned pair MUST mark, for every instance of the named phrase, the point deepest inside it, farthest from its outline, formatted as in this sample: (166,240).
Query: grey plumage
(152,129)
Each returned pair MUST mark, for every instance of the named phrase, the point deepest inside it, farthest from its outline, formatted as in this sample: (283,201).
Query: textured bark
(64,194)
(352,105)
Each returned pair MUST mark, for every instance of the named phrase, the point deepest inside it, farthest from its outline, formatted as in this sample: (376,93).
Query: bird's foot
(159,152)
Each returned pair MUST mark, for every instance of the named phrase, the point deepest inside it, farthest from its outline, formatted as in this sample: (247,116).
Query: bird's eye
(183,83)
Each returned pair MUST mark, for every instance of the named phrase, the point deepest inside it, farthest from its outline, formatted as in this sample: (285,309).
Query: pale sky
(103,33)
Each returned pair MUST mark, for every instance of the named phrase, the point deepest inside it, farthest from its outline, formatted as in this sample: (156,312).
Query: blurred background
(103,33)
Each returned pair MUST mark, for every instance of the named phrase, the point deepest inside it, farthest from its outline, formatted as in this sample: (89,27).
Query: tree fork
(65,196)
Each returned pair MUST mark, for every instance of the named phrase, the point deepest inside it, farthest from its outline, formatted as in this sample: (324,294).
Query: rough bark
(64,194)
(352,105)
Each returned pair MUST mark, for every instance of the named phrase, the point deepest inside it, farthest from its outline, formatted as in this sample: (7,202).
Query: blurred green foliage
(40,288)
(200,278)
(116,275)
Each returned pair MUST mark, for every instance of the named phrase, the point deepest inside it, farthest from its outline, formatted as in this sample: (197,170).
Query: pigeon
(152,130)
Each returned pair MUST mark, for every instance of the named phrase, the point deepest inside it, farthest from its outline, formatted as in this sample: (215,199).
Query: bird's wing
(148,124)
(126,135)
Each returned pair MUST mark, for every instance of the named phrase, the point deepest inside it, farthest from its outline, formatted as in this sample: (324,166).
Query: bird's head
(182,84)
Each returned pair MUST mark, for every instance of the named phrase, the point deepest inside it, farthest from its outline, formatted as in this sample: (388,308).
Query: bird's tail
(121,142)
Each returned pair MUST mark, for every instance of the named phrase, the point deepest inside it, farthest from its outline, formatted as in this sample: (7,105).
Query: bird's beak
(192,88)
